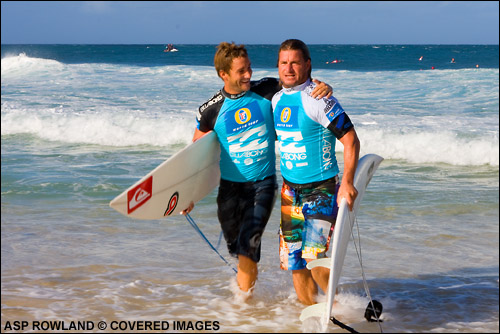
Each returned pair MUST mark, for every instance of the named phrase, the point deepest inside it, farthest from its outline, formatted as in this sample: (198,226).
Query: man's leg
(247,273)
(305,287)
(320,276)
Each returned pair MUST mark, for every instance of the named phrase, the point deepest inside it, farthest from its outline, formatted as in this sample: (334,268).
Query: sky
(249,22)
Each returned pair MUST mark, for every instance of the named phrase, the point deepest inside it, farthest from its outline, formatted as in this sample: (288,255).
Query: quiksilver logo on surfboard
(139,195)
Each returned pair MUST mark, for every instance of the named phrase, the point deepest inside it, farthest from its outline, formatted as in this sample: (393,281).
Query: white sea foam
(431,147)
(111,128)
(116,127)
(21,65)
(418,116)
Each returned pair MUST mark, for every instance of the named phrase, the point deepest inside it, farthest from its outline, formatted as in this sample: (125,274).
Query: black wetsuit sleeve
(266,87)
(208,112)
(340,125)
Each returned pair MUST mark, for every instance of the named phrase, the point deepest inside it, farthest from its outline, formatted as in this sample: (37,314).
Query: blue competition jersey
(244,126)
(307,130)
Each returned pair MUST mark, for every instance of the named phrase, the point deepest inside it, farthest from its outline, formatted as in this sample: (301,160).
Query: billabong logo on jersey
(285,115)
(251,140)
(139,195)
(242,115)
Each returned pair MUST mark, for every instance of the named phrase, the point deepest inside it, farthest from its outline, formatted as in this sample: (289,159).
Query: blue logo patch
(334,112)
(286,117)
(244,117)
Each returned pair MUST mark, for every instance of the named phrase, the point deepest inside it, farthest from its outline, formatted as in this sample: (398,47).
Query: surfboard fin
(324,262)
(314,310)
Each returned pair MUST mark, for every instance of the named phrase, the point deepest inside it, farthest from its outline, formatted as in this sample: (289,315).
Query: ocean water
(81,123)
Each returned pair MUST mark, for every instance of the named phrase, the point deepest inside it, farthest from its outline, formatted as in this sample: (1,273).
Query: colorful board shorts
(244,210)
(308,215)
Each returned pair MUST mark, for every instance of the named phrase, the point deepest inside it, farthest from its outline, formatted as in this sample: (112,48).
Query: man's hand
(321,90)
(349,192)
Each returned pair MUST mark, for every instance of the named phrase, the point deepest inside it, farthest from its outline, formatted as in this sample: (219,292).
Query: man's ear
(222,75)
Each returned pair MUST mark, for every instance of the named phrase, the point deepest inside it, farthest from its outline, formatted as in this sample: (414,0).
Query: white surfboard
(367,166)
(189,175)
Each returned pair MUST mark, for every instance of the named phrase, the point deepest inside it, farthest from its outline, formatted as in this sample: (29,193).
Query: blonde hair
(225,54)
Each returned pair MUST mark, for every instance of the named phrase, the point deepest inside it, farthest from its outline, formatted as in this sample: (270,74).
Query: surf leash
(374,307)
(343,326)
(197,229)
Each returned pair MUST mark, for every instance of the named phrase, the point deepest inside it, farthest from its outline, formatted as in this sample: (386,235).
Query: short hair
(296,44)
(225,54)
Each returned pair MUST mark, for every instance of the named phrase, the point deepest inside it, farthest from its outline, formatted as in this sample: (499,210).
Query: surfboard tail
(316,310)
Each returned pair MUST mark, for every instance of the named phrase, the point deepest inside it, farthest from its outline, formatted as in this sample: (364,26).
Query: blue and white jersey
(307,130)
(245,129)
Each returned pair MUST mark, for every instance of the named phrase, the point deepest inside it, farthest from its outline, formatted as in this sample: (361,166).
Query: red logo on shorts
(172,204)
(139,195)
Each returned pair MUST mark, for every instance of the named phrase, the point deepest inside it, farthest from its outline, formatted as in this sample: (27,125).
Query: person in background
(307,129)
(241,115)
